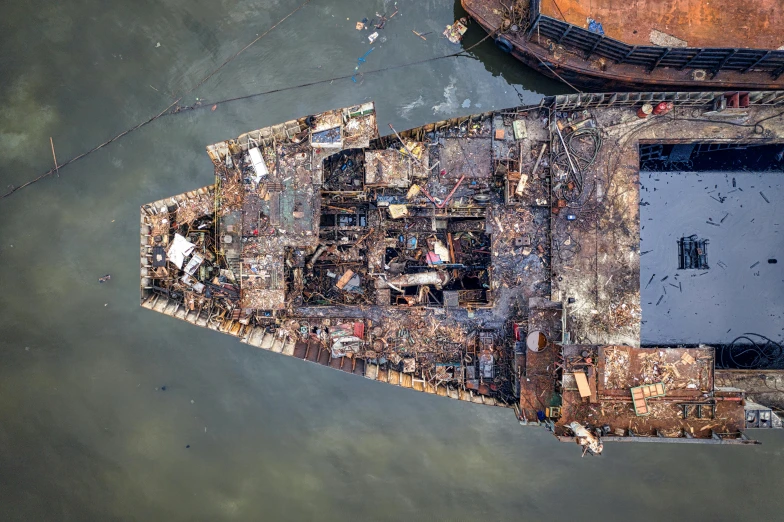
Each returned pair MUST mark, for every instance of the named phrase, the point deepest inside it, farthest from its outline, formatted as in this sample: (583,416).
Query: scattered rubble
(492,258)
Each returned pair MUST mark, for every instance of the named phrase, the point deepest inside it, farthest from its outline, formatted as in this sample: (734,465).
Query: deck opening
(692,253)
(711,157)
(712,197)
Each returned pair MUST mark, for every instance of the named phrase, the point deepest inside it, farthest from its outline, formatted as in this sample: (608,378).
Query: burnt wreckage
(492,258)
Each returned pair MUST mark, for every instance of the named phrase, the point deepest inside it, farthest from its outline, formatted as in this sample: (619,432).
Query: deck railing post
(723,62)
(627,55)
(660,58)
(693,58)
(757,62)
(595,45)
(534,25)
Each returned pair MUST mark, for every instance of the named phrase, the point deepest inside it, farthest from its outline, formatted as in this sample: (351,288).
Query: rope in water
(168,110)
(164,111)
(328,80)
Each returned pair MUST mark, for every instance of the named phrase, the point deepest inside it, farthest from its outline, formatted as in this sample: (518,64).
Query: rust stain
(718,23)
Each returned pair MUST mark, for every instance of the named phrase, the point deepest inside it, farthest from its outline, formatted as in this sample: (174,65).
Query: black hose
(757,351)
(581,160)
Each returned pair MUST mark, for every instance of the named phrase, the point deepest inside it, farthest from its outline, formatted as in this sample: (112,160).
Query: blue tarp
(595,27)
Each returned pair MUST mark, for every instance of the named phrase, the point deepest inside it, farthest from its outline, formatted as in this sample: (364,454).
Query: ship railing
(565,102)
(712,60)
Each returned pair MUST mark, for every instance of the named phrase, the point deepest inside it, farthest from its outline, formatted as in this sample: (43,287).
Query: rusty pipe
(437,278)
(316,255)
(449,196)
(406,146)
(443,203)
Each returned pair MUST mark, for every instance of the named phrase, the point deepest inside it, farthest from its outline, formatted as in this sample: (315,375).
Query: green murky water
(86,431)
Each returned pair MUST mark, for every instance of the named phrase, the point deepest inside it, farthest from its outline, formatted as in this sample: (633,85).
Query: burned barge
(605,45)
(493,258)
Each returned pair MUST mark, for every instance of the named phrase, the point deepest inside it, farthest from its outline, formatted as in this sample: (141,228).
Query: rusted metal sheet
(718,23)
(594,62)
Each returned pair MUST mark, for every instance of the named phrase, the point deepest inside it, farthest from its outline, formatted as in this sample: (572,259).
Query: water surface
(87,431)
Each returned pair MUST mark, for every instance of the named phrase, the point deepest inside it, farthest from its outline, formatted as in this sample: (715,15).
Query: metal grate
(692,253)
(651,151)
(652,57)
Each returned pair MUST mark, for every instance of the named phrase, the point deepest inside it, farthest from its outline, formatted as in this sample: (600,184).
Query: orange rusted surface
(700,23)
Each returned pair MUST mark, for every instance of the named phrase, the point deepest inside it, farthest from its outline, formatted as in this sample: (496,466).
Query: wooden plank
(582,384)
(343,281)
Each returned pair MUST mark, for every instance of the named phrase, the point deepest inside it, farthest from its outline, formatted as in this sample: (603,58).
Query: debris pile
(490,256)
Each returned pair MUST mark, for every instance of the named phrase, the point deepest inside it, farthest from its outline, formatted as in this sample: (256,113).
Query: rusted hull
(457,334)
(583,75)
(584,81)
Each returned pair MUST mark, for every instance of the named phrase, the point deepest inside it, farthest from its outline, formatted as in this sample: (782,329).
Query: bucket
(536,341)
(663,108)
(645,110)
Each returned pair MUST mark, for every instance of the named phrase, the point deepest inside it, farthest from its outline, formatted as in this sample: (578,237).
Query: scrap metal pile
(187,263)
(430,347)
(493,258)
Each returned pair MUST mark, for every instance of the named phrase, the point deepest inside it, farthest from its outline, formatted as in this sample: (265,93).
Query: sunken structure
(496,258)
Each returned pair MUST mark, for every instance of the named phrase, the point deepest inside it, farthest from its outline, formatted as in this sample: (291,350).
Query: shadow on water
(503,64)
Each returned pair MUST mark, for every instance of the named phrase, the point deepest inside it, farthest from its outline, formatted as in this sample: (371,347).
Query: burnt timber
(651,45)
(491,258)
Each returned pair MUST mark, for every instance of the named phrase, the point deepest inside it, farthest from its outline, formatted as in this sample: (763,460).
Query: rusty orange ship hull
(640,45)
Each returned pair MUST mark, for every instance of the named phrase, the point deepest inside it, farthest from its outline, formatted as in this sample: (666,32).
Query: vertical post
(533,27)
(56,167)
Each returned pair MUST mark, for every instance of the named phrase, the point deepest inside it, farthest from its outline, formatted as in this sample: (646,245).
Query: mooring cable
(164,111)
(168,112)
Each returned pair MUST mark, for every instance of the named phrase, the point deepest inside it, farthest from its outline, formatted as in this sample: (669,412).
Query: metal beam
(724,61)
(533,26)
(753,65)
(598,41)
(627,55)
(568,30)
(668,440)
(685,65)
(662,57)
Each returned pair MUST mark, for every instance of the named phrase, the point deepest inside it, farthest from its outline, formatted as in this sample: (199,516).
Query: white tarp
(346,344)
(257,160)
(179,250)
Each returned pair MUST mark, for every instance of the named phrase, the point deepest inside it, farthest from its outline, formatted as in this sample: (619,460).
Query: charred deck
(492,258)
